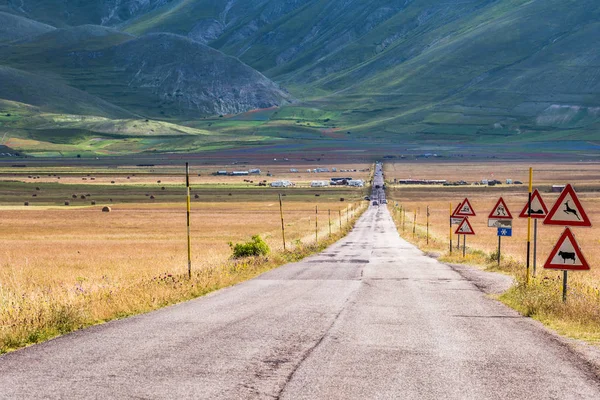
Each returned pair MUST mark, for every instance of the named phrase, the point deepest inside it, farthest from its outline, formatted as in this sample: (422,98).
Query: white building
(319,184)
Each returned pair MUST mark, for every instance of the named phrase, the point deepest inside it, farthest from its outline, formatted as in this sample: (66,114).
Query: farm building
(240,173)
(319,184)
(255,171)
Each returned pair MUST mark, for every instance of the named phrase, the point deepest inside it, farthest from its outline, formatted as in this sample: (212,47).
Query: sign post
(465,229)
(282,224)
(427,224)
(567,211)
(189,238)
(529,226)
(450,235)
(501,218)
(536,209)
(567,249)
(460,215)
(317,224)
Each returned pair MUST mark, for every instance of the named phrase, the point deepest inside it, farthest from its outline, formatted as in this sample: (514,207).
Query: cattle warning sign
(567,210)
(567,255)
(465,228)
(464,210)
(538,207)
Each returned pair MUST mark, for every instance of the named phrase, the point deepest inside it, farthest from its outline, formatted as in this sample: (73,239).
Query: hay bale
(317,195)
(92,179)
(93,203)
(74,196)
(106,209)
(66,203)
(34,195)
(196,196)
(128,177)
(112,181)
(157,181)
(37,188)
(342,199)
(26,203)
(152,197)
(162,188)
(82,197)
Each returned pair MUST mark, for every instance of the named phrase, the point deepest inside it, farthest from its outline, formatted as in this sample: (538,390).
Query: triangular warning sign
(567,210)
(456,209)
(465,228)
(567,255)
(500,211)
(538,207)
(465,210)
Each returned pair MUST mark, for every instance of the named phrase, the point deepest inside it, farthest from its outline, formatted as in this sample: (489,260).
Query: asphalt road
(369,318)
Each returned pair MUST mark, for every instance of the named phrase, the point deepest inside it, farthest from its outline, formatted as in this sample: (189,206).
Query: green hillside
(517,75)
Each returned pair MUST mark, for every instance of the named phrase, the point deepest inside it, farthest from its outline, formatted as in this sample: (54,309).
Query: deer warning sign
(538,207)
(464,210)
(465,228)
(567,255)
(500,211)
(567,210)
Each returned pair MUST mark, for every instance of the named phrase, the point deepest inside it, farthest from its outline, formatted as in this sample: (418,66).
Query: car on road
(375,203)
(384,201)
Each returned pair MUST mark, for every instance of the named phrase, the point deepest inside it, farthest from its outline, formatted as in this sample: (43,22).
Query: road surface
(369,318)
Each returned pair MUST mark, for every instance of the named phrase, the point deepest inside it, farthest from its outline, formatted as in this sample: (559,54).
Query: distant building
(319,184)
(558,188)
(221,172)
(255,171)
(293,170)
(240,173)
(356,183)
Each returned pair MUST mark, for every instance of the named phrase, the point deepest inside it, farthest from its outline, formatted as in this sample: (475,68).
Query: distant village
(337,181)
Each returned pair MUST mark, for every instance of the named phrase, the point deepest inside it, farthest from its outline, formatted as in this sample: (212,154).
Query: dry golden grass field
(65,267)
(580,317)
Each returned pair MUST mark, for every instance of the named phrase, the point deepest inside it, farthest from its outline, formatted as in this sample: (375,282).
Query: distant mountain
(13,27)
(156,75)
(425,71)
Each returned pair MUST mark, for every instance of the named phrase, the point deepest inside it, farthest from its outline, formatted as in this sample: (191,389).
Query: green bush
(255,247)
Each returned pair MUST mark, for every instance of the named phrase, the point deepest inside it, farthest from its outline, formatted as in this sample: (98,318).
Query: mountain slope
(48,95)
(13,27)
(157,75)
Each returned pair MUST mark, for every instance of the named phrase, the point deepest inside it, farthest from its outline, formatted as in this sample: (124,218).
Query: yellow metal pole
(189,239)
(529,224)
(282,224)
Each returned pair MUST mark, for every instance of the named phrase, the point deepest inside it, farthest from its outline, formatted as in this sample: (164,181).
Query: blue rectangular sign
(504,231)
